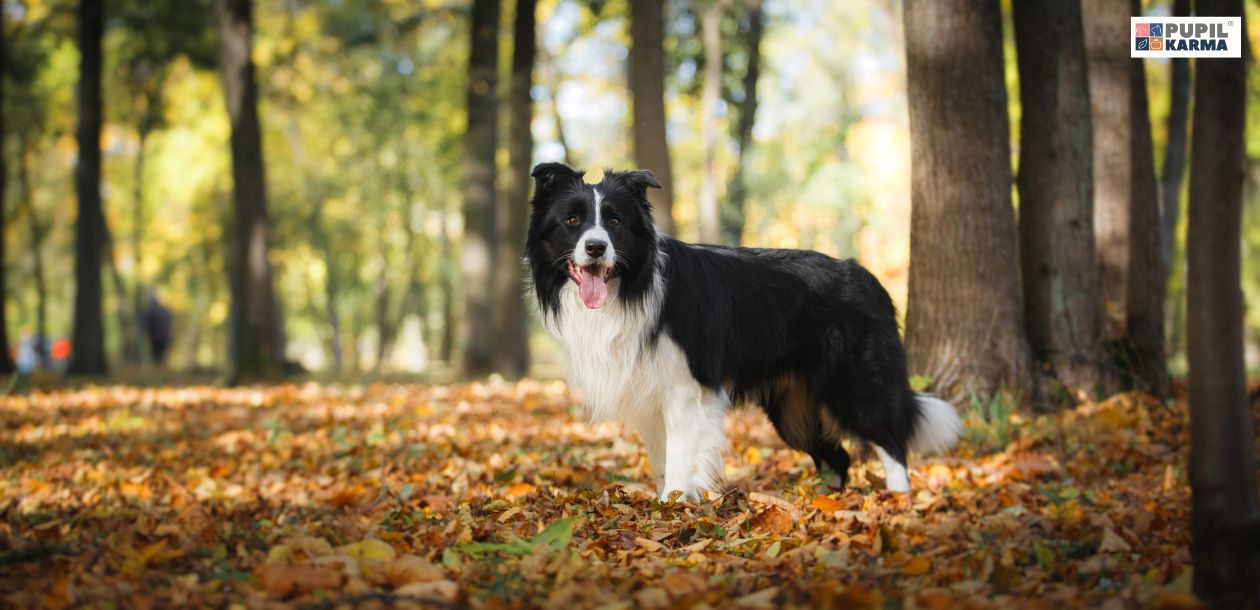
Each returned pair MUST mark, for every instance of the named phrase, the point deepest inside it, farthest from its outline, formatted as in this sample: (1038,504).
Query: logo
(1186,37)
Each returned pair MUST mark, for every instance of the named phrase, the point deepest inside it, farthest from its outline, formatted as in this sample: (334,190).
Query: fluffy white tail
(938,427)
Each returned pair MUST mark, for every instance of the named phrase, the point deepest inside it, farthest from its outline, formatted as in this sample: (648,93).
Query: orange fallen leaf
(916,566)
(827,504)
(773,520)
(520,489)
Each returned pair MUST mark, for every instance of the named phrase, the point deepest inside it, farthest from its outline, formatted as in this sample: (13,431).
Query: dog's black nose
(596,247)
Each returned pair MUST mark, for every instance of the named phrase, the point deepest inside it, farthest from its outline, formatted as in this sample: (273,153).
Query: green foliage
(557,536)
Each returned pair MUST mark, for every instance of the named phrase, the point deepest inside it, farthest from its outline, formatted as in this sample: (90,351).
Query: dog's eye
(614,222)
(572,220)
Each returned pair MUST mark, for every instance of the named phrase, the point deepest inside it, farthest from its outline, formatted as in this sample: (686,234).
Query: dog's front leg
(695,438)
(650,425)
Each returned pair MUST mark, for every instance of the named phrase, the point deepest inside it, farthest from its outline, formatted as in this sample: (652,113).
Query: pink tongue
(593,289)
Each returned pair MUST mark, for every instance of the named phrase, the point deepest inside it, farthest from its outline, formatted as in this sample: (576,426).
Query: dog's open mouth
(592,281)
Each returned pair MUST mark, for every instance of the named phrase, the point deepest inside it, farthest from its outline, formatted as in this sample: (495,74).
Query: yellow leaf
(281,553)
(752,456)
(371,549)
(916,566)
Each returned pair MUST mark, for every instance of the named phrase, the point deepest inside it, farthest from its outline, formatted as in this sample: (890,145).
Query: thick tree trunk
(647,90)
(1175,151)
(511,356)
(1126,207)
(88,338)
(255,332)
(477,259)
(1062,310)
(711,26)
(737,192)
(6,355)
(964,325)
(1225,522)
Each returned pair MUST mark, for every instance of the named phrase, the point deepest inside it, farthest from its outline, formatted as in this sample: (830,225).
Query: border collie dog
(664,336)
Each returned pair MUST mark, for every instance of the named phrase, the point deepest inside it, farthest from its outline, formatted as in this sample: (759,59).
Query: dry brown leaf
(682,585)
(773,520)
(283,581)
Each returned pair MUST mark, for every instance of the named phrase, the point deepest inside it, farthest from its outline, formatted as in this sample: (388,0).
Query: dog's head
(597,236)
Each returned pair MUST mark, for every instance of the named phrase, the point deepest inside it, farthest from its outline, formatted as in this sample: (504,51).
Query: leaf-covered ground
(502,495)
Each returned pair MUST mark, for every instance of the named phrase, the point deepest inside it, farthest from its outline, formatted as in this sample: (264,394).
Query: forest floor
(501,495)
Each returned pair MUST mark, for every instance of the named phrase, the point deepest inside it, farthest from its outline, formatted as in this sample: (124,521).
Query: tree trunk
(511,356)
(1062,310)
(737,192)
(964,326)
(1225,522)
(137,229)
(1126,208)
(477,259)
(446,285)
(37,256)
(711,26)
(254,346)
(6,355)
(1175,152)
(647,92)
(88,338)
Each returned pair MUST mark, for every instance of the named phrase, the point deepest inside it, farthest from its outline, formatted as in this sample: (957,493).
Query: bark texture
(254,345)
(478,184)
(1225,522)
(964,325)
(6,356)
(88,336)
(1126,206)
(737,192)
(1062,308)
(1174,169)
(647,92)
(711,31)
(511,356)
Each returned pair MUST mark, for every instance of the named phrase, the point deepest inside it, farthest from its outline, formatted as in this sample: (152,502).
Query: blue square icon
(1142,44)
(1157,29)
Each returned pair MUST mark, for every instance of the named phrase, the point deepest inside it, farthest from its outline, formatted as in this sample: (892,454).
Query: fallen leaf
(683,584)
(284,581)
(773,520)
(520,489)
(408,569)
(1113,543)
(827,504)
(916,566)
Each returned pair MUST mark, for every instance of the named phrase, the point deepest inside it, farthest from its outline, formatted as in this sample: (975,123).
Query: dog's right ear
(550,176)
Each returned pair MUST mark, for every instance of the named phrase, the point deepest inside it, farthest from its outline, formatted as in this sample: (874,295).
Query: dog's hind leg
(796,417)
(894,462)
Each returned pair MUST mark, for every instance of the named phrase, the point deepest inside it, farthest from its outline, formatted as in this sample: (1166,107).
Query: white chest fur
(608,359)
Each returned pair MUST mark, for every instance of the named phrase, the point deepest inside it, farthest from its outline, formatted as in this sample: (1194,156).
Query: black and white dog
(664,336)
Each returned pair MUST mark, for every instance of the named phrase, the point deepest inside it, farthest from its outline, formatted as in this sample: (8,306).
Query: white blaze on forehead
(598,233)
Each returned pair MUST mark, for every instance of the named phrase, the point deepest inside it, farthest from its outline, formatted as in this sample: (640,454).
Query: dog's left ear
(641,179)
(551,176)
